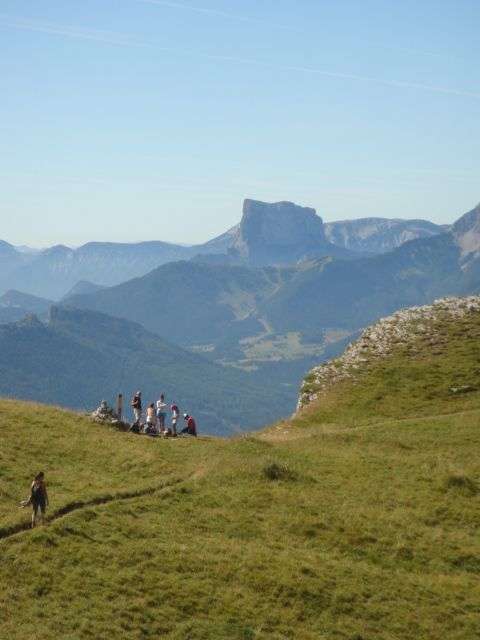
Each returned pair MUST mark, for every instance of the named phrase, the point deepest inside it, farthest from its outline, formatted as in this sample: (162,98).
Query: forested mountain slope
(80,357)
(189,302)
(15,305)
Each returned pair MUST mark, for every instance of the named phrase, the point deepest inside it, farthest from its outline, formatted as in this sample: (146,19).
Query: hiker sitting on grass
(38,497)
(191,428)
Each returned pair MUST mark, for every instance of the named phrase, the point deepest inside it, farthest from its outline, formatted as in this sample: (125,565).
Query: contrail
(215,12)
(125,40)
(108,37)
(242,18)
(347,76)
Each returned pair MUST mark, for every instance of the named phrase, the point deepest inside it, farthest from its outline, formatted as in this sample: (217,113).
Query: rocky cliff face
(466,232)
(378,235)
(280,233)
(379,340)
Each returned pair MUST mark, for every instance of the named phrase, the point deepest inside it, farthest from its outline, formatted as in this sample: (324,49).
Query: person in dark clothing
(137,407)
(38,497)
(191,428)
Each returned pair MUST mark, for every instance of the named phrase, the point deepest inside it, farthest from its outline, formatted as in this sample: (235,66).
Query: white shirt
(161,406)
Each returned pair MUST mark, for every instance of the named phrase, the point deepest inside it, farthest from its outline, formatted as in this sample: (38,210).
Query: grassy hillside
(323,528)
(81,357)
(431,366)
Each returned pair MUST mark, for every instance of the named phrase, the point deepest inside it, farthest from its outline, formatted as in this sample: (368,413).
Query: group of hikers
(155,422)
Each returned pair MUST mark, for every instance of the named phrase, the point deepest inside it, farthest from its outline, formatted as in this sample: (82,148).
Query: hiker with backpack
(191,428)
(38,498)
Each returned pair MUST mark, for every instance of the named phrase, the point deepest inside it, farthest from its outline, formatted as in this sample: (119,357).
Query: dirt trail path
(71,507)
(286,431)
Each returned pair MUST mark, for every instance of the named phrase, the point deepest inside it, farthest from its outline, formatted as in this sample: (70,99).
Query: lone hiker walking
(38,497)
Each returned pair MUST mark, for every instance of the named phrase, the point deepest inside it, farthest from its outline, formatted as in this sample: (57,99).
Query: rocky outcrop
(104,414)
(379,340)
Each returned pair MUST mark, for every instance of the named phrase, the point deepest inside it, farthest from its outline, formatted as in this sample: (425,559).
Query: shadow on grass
(462,483)
(276,472)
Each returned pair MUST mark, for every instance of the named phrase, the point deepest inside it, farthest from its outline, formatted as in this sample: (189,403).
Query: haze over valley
(266,301)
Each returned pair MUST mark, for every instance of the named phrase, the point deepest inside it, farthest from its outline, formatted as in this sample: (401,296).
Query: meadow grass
(321,528)
(418,378)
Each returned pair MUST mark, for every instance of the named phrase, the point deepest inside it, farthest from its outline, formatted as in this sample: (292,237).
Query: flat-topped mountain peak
(280,233)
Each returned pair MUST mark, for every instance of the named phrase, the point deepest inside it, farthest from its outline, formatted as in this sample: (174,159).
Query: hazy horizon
(23,245)
(153,120)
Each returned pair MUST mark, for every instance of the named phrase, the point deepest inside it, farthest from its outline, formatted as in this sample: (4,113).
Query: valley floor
(304,531)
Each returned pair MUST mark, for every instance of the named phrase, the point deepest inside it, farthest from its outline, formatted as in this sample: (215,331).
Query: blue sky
(133,120)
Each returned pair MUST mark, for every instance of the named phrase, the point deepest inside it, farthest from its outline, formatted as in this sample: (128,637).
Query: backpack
(37,490)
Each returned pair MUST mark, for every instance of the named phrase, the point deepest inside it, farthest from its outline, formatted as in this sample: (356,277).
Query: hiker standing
(137,407)
(38,497)
(161,411)
(191,428)
(151,424)
(175,413)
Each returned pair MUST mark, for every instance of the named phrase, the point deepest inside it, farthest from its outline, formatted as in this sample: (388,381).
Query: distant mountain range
(79,357)
(249,316)
(256,308)
(379,235)
(15,305)
(268,234)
